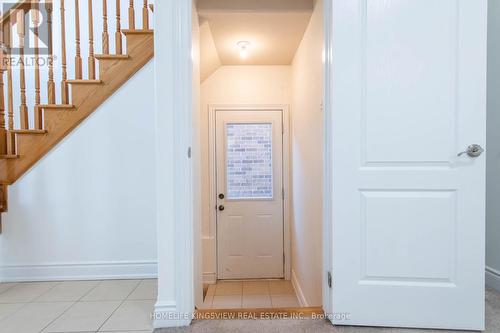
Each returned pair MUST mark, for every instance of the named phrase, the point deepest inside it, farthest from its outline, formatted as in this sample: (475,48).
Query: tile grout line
(112,313)
(90,290)
(24,304)
(71,306)
(33,301)
(8,288)
(16,311)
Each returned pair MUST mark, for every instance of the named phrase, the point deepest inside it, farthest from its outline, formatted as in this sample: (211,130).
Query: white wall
(493,149)
(236,85)
(210,60)
(87,210)
(307,165)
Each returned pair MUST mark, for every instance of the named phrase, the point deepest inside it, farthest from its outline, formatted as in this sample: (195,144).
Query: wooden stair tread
(29,131)
(137,32)
(57,106)
(8,157)
(84,81)
(112,56)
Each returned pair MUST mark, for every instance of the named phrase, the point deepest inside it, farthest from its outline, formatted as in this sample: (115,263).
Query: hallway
(251,294)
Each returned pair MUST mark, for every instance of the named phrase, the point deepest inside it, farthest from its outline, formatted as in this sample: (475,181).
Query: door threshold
(260,313)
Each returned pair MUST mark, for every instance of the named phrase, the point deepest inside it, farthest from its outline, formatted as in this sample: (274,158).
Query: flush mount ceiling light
(243,46)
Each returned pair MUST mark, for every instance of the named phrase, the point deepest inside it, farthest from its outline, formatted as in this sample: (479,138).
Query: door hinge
(283,193)
(283,258)
(329,279)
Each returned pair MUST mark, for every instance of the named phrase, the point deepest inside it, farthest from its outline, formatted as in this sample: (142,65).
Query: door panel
(408,213)
(249,184)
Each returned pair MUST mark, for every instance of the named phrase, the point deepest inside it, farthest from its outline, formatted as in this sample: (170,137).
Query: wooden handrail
(6,18)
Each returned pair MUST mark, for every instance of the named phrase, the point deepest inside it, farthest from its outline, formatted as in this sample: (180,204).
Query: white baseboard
(298,290)
(79,271)
(492,278)
(209,278)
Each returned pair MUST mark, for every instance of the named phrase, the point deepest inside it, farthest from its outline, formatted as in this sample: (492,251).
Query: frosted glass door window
(249,161)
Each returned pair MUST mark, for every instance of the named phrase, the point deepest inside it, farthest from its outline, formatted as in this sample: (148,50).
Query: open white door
(408,215)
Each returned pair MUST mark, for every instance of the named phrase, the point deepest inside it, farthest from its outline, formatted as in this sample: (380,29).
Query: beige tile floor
(251,294)
(321,325)
(118,306)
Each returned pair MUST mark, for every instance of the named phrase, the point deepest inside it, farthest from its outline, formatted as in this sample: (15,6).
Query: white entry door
(408,213)
(249,149)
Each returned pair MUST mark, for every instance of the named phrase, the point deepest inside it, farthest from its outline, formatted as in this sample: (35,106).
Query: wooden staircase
(21,148)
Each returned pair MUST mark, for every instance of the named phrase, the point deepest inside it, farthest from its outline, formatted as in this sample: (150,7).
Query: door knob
(473,151)
(221,196)
(221,208)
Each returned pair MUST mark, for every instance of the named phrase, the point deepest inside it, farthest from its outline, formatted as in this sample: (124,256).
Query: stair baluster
(145,16)
(3,202)
(91,44)
(35,19)
(21,143)
(10,136)
(105,34)
(118,34)
(51,86)
(3,125)
(64,75)
(23,108)
(131,15)
(78,57)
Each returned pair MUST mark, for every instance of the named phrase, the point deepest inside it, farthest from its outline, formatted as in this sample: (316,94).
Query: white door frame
(174,140)
(212,158)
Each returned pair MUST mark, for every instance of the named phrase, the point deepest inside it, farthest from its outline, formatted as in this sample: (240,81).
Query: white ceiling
(274,28)
(255,5)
